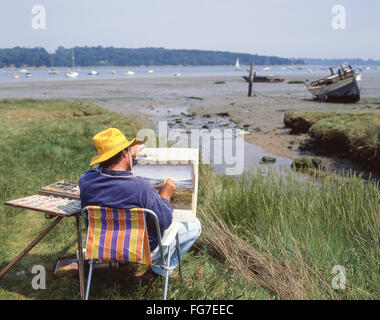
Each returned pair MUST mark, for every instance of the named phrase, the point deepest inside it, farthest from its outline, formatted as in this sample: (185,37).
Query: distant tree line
(110,56)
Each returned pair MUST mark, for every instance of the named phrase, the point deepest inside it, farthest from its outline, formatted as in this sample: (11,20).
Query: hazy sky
(287,28)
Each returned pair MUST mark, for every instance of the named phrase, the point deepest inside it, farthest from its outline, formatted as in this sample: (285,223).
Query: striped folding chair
(121,235)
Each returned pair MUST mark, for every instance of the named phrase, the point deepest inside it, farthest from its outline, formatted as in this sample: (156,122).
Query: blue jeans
(188,232)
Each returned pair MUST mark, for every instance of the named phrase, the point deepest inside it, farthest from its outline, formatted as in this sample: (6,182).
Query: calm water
(143,72)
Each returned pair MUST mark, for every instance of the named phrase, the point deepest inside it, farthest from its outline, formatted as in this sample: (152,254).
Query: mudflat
(150,99)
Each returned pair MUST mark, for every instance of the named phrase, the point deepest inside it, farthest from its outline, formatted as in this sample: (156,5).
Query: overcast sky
(286,28)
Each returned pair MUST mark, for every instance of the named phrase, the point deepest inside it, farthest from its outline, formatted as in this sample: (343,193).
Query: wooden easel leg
(80,256)
(30,247)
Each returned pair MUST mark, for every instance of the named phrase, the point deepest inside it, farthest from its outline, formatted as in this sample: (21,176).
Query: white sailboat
(72,74)
(237,64)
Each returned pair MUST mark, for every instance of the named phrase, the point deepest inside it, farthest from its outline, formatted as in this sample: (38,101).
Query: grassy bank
(45,141)
(287,236)
(262,238)
(356,134)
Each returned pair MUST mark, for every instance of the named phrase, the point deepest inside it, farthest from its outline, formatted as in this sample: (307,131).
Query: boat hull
(265,79)
(346,91)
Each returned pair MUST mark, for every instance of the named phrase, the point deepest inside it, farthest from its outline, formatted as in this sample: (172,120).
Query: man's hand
(136,151)
(168,189)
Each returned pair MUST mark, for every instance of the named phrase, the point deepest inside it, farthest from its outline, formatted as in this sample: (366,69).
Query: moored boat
(53,72)
(269,79)
(72,74)
(338,87)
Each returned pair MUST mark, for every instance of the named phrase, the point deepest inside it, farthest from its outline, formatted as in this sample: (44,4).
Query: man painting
(112,184)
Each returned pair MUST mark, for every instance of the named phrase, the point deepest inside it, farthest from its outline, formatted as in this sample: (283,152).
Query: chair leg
(179,258)
(91,262)
(167,273)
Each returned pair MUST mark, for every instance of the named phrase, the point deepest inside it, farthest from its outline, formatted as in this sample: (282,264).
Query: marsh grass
(357,134)
(287,236)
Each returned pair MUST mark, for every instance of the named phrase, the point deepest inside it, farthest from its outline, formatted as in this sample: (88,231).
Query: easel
(70,208)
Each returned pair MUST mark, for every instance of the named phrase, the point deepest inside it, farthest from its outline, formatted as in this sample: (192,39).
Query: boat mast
(72,57)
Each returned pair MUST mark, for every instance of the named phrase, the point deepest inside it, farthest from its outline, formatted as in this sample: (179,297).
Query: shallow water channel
(232,142)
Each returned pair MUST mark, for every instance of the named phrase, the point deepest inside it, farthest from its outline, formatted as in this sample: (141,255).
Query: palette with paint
(48,204)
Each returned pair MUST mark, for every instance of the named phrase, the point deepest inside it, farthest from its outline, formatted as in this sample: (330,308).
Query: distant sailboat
(53,72)
(237,64)
(72,74)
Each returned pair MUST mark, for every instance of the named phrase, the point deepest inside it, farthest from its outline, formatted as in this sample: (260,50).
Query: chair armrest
(170,233)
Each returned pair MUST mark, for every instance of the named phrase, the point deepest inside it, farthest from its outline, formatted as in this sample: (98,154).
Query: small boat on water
(28,75)
(53,72)
(15,76)
(113,72)
(150,71)
(237,64)
(339,86)
(178,74)
(266,69)
(268,79)
(93,73)
(129,73)
(72,74)
(23,70)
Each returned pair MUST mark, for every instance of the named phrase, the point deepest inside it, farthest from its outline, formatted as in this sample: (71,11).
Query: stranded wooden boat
(269,79)
(338,87)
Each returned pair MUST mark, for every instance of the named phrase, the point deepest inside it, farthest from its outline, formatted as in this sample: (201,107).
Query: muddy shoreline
(224,98)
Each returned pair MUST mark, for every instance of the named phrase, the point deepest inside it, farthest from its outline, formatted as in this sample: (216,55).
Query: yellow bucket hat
(109,143)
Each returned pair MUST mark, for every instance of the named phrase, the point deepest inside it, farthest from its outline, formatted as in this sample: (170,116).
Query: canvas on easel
(179,164)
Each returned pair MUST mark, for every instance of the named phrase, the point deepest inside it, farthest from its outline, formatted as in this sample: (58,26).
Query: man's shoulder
(87,173)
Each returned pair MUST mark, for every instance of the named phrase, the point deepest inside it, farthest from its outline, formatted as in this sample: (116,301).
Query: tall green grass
(295,232)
